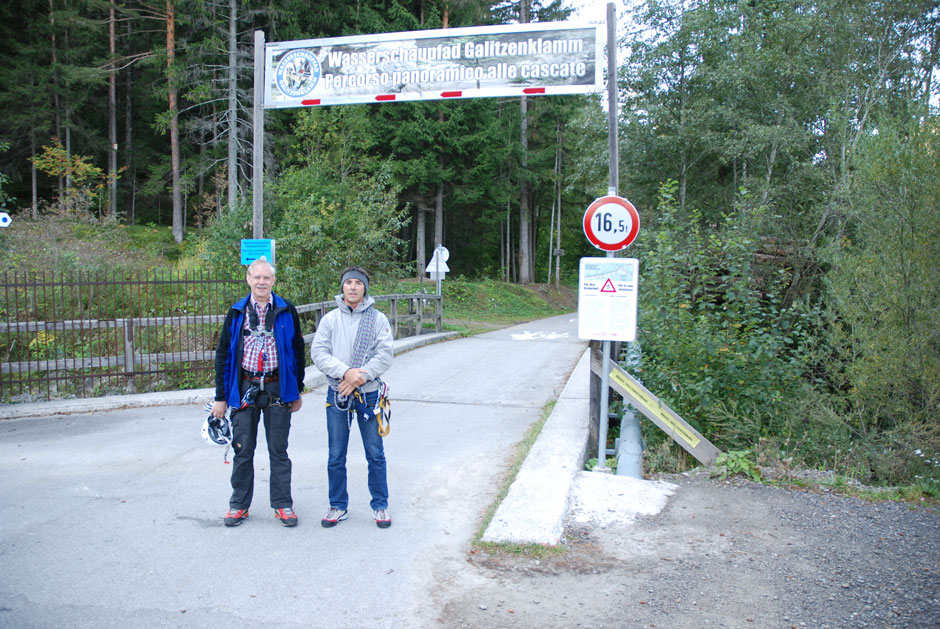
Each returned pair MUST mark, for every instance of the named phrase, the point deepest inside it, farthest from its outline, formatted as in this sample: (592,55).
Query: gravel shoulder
(720,554)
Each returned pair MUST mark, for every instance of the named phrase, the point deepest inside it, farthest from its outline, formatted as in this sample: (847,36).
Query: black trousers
(244,439)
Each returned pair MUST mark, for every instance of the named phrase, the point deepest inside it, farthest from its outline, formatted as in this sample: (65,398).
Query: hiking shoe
(333,517)
(286,516)
(382,519)
(234,517)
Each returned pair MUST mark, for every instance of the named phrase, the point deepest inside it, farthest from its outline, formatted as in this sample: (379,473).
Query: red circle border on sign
(592,237)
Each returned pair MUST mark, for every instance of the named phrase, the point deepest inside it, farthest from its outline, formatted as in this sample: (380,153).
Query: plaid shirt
(260,352)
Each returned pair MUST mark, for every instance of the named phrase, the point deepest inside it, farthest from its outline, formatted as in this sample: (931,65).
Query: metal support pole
(612,99)
(614,165)
(605,400)
(630,452)
(257,152)
(437,267)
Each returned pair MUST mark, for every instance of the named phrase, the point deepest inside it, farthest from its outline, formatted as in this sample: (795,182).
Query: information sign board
(255,249)
(607,297)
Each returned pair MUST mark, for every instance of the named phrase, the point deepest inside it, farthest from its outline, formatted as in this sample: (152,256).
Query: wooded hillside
(784,157)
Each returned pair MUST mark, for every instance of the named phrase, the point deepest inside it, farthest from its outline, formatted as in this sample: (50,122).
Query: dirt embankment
(721,554)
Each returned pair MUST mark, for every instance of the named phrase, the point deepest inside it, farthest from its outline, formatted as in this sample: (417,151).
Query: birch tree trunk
(232,108)
(174,122)
(526,269)
(129,170)
(112,116)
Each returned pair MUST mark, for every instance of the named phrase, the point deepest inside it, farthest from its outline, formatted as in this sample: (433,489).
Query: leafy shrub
(333,206)
(884,303)
(719,344)
(320,234)
(736,463)
(219,246)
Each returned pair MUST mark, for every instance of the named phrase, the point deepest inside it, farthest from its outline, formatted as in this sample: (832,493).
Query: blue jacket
(290,351)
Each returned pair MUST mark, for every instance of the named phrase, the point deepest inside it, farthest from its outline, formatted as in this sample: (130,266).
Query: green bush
(319,234)
(719,344)
(883,298)
(736,463)
(331,207)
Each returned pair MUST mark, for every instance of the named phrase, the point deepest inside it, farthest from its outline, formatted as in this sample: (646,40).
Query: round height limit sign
(611,223)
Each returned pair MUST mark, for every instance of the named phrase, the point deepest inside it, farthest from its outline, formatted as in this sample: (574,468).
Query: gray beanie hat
(355,274)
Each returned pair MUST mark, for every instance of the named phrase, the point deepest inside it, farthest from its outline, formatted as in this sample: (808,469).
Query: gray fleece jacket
(332,345)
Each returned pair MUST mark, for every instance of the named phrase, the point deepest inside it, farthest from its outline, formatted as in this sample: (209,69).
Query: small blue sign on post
(253,249)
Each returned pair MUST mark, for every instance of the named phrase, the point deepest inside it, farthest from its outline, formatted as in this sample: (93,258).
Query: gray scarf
(365,337)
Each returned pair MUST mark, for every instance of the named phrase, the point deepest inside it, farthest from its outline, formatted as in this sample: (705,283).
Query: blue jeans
(337,426)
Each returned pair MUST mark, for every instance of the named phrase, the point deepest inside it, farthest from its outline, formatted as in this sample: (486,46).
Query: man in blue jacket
(259,369)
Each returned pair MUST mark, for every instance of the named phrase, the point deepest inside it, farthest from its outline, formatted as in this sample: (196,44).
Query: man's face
(353,292)
(261,280)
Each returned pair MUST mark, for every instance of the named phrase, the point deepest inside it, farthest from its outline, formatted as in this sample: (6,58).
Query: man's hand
(352,380)
(218,409)
(296,404)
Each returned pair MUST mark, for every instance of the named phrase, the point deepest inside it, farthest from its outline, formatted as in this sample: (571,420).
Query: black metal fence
(85,335)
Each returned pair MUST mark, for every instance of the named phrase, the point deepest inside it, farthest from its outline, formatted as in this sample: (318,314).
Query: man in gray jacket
(353,347)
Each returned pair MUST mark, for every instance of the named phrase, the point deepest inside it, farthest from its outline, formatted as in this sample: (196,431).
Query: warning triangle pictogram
(608,287)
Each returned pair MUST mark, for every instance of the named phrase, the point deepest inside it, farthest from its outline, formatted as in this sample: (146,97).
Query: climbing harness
(258,338)
(365,337)
(355,405)
(256,395)
(255,329)
(383,411)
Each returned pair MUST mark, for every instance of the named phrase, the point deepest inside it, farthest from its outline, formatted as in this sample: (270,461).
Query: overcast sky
(596,11)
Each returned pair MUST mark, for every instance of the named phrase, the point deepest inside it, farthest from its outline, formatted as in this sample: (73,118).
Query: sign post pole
(437,267)
(437,271)
(257,149)
(604,408)
(614,166)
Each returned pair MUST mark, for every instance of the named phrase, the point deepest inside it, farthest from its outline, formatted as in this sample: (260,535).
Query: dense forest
(784,156)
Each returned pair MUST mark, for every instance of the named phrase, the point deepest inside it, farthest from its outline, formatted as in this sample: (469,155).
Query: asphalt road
(114,519)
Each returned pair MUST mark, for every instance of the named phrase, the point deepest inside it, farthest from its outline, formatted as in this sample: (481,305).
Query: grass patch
(481,306)
(925,494)
(500,302)
(67,244)
(154,241)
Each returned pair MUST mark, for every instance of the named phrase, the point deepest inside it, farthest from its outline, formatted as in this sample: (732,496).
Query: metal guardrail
(407,313)
(58,339)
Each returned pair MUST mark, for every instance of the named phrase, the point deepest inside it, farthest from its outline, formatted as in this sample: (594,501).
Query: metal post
(605,401)
(437,267)
(612,99)
(614,161)
(129,362)
(630,452)
(257,153)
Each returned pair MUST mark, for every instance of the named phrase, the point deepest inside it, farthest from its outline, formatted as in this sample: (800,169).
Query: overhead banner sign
(475,62)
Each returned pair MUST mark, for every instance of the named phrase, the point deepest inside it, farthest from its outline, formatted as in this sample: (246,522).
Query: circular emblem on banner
(297,73)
